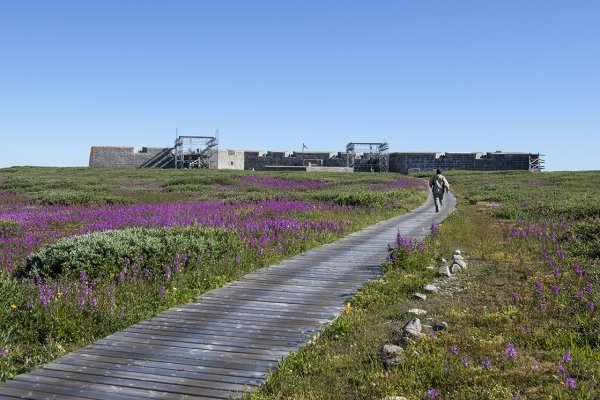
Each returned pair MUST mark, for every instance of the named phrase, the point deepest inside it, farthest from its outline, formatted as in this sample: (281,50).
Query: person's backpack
(438,184)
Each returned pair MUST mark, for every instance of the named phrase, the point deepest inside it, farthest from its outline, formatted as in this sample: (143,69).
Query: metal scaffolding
(536,162)
(196,152)
(373,157)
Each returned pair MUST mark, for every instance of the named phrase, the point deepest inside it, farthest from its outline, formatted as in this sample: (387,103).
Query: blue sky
(270,75)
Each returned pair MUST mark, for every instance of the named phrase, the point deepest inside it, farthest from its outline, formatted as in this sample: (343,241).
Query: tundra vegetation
(523,317)
(87,252)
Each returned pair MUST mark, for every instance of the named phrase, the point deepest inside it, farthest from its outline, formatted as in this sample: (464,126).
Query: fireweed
(57,313)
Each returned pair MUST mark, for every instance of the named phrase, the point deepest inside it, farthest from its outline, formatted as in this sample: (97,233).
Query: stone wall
(403,162)
(134,157)
(129,157)
(230,159)
(259,160)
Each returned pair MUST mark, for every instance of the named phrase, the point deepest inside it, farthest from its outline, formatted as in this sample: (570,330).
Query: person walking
(439,185)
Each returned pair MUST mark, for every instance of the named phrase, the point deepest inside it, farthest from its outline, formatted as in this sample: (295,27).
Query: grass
(523,318)
(87,252)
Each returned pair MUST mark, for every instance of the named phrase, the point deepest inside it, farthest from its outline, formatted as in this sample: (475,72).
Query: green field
(523,318)
(87,252)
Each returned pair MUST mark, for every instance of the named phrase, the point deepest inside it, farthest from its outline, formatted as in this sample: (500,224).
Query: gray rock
(457,257)
(440,326)
(443,261)
(430,288)
(391,350)
(457,252)
(455,268)
(462,264)
(412,329)
(413,325)
(445,271)
(430,267)
(420,296)
(417,311)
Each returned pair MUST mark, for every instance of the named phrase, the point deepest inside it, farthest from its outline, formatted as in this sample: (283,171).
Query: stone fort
(203,152)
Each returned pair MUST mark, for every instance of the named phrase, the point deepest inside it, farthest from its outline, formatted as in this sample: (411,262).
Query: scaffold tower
(196,152)
(368,156)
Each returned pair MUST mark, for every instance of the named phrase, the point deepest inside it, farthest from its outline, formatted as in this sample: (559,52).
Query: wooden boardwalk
(226,342)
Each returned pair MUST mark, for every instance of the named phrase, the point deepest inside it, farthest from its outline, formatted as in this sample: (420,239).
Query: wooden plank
(214,340)
(288,319)
(159,370)
(158,389)
(39,391)
(64,380)
(147,376)
(168,365)
(119,338)
(217,362)
(194,354)
(222,331)
(260,326)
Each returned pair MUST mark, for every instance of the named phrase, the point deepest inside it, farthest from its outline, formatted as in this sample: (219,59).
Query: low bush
(105,252)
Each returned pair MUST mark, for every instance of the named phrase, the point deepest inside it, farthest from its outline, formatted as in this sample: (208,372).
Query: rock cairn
(457,265)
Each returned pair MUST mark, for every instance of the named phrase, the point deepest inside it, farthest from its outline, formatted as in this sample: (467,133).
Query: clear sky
(510,75)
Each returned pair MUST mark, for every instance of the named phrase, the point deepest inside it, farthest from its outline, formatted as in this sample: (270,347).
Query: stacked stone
(458,264)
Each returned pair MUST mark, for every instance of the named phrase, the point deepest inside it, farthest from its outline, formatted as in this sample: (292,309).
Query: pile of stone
(458,264)
(412,330)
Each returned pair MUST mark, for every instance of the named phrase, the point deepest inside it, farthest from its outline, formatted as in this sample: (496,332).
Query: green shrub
(105,252)
(68,197)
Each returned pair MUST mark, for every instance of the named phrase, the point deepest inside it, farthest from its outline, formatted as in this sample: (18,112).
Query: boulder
(417,311)
(391,350)
(412,329)
(455,269)
(455,258)
(445,271)
(430,288)
(462,264)
(420,296)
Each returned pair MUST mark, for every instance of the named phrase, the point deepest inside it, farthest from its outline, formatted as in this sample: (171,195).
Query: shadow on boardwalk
(227,341)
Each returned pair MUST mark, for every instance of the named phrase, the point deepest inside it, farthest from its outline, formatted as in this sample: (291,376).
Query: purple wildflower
(578,270)
(486,364)
(432,393)
(570,383)
(83,276)
(465,361)
(539,287)
(580,294)
(2,352)
(454,350)
(435,228)
(555,272)
(446,368)
(589,287)
(515,296)
(555,289)
(591,306)
(535,367)
(567,356)
(122,276)
(161,292)
(167,273)
(511,353)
